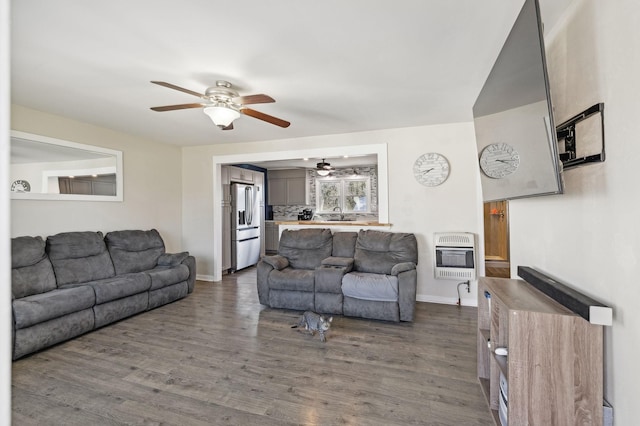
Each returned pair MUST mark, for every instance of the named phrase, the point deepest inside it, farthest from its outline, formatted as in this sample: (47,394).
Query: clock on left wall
(20,186)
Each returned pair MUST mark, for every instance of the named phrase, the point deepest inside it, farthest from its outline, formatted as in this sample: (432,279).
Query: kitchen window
(349,195)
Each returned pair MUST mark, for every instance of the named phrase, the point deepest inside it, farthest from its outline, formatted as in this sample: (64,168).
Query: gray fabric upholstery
(134,251)
(370,274)
(328,303)
(31,270)
(387,311)
(342,262)
(305,248)
(377,252)
(167,294)
(298,300)
(109,312)
(42,307)
(276,261)
(163,276)
(45,334)
(78,257)
(69,285)
(292,279)
(172,259)
(118,287)
(368,286)
(328,279)
(344,244)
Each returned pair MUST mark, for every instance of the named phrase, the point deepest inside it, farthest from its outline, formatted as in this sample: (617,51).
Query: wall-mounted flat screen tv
(513,118)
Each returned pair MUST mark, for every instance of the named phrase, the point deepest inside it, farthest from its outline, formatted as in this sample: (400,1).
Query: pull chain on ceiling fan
(223,104)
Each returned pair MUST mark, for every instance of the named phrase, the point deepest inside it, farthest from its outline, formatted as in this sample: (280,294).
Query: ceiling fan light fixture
(221,115)
(323,168)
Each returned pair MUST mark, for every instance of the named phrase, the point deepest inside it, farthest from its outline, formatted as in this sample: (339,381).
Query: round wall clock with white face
(499,160)
(431,169)
(20,186)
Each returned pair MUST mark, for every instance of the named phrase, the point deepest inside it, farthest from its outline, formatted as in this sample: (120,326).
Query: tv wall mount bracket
(581,138)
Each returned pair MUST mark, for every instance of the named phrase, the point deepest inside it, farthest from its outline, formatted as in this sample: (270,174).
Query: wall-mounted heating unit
(455,255)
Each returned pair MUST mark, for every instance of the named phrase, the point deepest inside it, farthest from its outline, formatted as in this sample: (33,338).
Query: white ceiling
(332,66)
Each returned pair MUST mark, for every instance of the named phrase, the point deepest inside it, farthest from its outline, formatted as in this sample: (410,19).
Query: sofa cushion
(378,251)
(305,248)
(292,279)
(134,250)
(163,276)
(78,257)
(367,286)
(121,286)
(344,244)
(31,270)
(42,307)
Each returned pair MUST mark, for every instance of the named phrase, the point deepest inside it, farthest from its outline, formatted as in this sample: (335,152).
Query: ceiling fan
(223,104)
(323,168)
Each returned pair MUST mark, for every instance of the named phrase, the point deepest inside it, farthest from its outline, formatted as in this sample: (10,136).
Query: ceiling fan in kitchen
(223,104)
(323,168)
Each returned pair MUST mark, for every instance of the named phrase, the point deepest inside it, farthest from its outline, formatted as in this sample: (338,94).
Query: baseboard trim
(446,300)
(204,277)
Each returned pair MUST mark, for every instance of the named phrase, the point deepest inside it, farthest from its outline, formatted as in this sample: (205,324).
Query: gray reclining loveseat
(369,274)
(80,281)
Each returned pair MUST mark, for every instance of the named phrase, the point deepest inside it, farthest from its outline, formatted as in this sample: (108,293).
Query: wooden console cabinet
(554,366)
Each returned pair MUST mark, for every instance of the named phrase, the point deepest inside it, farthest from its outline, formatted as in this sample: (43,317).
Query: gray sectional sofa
(75,282)
(368,274)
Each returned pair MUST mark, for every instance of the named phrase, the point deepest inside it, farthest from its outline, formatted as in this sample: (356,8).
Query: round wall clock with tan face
(499,160)
(431,169)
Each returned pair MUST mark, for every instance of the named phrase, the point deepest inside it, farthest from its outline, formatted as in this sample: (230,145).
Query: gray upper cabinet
(288,187)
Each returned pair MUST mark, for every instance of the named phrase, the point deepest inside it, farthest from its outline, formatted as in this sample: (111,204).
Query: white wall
(589,237)
(152,185)
(5,253)
(453,206)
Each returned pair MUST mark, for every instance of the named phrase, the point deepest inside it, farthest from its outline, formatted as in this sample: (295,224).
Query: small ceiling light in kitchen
(323,168)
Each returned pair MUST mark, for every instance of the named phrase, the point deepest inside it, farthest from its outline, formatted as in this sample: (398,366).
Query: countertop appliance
(245,226)
(307,214)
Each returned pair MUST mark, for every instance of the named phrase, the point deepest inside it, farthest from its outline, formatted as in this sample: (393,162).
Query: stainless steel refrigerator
(245,226)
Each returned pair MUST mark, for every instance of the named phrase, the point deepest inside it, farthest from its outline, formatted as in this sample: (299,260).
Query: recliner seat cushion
(79,257)
(378,251)
(118,287)
(31,270)
(367,286)
(43,307)
(134,250)
(292,279)
(305,248)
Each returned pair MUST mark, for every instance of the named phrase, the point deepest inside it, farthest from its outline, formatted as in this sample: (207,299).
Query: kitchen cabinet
(238,174)
(288,187)
(551,373)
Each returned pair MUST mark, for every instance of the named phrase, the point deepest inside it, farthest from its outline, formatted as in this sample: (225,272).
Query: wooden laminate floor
(219,357)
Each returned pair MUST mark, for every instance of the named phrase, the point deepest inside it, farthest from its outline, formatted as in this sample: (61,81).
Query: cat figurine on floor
(315,322)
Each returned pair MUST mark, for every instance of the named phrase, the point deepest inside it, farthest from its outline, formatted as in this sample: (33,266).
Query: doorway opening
(496,239)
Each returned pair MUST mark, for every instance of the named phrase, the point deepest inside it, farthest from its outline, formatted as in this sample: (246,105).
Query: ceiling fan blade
(253,99)
(181,89)
(175,107)
(265,117)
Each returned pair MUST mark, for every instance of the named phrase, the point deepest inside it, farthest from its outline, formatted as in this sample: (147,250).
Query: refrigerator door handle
(248,204)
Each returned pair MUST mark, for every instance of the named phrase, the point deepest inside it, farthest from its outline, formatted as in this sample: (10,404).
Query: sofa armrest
(339,262)
(172,259)
(399,268)
(276,261)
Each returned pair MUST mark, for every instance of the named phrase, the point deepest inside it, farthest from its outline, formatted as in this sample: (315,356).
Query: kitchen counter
(332,222)
(334,225)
